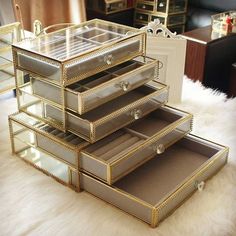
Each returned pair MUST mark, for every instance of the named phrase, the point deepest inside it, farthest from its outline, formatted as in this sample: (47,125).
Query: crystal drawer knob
(199,185)
(108,59)
(136,113)
(143,6)
(140,17)
(124,85)
(160,148)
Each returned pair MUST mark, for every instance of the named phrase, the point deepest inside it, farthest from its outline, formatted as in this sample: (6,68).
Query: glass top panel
(77,40)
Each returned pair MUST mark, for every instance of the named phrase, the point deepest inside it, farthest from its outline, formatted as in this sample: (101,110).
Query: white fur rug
(34,204)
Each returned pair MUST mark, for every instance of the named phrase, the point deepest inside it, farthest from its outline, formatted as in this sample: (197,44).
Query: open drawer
(155,189)
(98,89)
(121,152)
(113,115)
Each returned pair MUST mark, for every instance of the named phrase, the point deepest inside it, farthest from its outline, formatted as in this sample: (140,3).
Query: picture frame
(170,50)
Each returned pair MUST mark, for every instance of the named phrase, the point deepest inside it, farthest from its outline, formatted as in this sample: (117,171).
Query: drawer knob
(124,85)
(108,59)
(136,113)
(143,6)
(199,185)
(160,148)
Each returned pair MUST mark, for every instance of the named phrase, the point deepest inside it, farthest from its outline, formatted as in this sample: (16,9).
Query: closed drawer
(67,56)
(176,19)
(145,6)
(179,29)
(155,189)
(113,115)
(140,16)
(172,6)
(176,6)
(160,18)
(24,145)
(121,152)
(96,90)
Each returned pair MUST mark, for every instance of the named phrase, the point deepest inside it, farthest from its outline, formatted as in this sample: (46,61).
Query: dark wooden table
(209,57)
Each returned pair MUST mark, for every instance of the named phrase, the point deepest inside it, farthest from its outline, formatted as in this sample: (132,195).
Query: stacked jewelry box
(92,115)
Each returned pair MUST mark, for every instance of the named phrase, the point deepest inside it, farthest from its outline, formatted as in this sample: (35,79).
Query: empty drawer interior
(155,122)
(118,103)
(160,176)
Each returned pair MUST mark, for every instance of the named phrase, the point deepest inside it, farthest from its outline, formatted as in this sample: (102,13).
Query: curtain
(48,12)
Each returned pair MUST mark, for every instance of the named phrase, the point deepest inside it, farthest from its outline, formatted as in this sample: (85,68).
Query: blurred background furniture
(208,59)
(200,11)
(171,13)
(232,81)
(48,12)
(118,11)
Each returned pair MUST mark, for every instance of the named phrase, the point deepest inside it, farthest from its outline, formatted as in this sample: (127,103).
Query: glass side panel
(76,40)
(6,40)
(46,162)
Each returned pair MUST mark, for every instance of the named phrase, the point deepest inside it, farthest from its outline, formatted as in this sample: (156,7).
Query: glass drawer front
(116,6)
(104,60)
(142,16)
(100,88)
(144,6)
(176,19)
(113,115)
(160,18)
(177,6)
(161,5)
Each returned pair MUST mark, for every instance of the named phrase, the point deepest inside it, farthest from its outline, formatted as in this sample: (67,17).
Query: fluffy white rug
(34,204)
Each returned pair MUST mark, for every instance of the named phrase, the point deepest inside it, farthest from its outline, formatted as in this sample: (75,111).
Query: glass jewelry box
(120,142)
